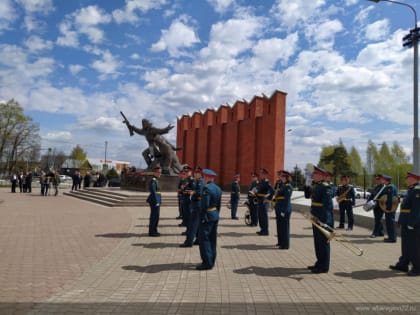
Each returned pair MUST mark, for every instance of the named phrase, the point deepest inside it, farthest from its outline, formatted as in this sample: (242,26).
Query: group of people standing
(21,180)
(199,206)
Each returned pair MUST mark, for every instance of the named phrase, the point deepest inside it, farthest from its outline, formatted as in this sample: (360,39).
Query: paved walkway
(61,255)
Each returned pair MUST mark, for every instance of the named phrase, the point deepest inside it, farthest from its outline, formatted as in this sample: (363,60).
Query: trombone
(330,234)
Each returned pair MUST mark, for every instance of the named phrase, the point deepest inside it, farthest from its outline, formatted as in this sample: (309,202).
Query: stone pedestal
(139,181)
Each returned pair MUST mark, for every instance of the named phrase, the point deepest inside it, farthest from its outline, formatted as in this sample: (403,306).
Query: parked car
(64,178)
(360,193)
(114,182)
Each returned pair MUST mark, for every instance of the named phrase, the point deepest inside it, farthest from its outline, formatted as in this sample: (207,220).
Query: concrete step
(114,197)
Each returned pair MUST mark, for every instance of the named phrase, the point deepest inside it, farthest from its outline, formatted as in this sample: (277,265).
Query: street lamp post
(412,40)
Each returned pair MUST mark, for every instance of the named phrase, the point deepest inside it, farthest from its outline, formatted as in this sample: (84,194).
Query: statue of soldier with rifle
(160,151)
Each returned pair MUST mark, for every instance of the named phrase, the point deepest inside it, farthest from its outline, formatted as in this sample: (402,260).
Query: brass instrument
(382,203)
(330,234)
(247,215)
(342,197)
(369,205)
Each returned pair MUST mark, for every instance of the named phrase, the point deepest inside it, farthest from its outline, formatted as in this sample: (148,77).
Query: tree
(337,162)
(19,136)
(78,153)
(356,165)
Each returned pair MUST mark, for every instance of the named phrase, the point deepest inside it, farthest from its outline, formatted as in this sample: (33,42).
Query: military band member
(154,201)
(409,220)
(181,182)
(252,199)
(390,191)
(321,210)
(264,195)
(207,233)
(187,192)
(346,199)
(192,236)
(378,229)
(283,193)
(235,196)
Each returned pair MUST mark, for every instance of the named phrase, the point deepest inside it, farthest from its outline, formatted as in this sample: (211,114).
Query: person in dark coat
(154,200)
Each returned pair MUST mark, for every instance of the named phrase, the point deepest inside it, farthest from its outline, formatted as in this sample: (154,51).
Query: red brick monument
(236,139)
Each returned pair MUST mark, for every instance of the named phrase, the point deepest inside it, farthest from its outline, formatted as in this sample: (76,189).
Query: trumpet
(330,234)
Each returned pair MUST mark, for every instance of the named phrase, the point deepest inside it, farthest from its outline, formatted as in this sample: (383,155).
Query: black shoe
(399,267)
(235,218)
(349,229)
(261,233)
(184,233)
(196,242)
(185,245)
(381,234)
(252,224)
(389,240)
(178,217)
(181,224)
(203,267)
(319,270)
(340,227)
(413,273)
(311,267)
(373,236)
(283,247)
(154,234)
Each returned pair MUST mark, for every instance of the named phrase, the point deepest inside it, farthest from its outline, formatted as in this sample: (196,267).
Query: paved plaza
(62,255)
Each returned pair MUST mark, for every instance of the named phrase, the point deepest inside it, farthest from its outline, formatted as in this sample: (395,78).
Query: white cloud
(69,37)
(38,6)
(58,136)
(87,20)
(290,13)
(221,6)
(7,14)
(323,33)
(108,65)
(179,36)
(378,30)
(36,43)
(75,69)
(129,13)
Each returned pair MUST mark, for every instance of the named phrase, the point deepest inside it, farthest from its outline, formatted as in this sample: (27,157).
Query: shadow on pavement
(370,274)
(250,247)
(160,268)
(157,245)
(120,235)
(273,272)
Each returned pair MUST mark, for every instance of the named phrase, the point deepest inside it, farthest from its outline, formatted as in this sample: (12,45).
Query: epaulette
(326,184)
(417,187)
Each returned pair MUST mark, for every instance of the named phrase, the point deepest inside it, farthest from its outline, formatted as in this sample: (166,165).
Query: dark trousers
(404,259)
(322,249)
(253,209)
(13,186)
(263,216)
(414,248)
(283,228)
(234,206)
(186,211)
(207,239)
(378,229)
(192,229)
(346,208)
(390,225)
(154,219)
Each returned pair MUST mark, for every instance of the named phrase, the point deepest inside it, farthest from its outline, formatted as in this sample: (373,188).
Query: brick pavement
(88,259)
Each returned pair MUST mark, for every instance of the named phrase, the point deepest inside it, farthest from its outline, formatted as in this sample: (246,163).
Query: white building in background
(104,165)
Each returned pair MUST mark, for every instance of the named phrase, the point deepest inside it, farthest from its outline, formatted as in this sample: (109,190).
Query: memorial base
(139,181)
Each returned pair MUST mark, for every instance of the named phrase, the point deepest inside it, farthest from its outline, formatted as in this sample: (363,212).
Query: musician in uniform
(378,229)
(235,196)
(346,199)
(409,220)
(192,232)
(390,191)
(282,196)
(154,200)
(187,192)
(252,199)
(207,232)
(321,210)
(181,182)
(264,195)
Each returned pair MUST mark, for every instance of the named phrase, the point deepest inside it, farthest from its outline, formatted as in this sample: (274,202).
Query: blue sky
(73,65)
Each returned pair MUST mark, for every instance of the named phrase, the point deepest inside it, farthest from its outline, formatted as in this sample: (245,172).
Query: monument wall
(236,139)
